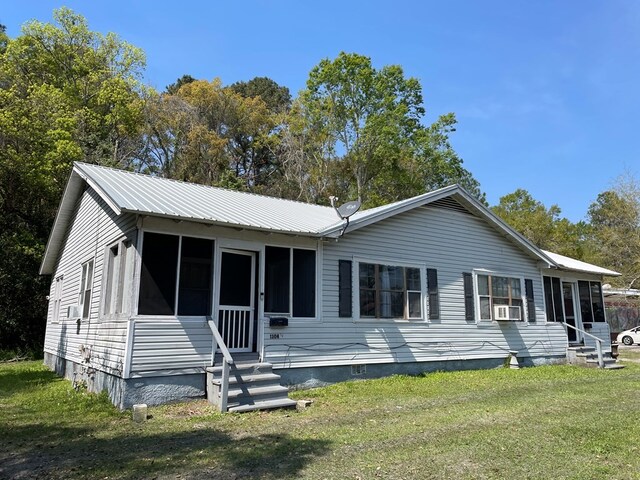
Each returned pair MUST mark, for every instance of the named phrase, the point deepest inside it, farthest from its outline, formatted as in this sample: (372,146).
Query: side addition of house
(164,290)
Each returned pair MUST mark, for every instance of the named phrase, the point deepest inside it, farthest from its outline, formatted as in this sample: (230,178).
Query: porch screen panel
(276,289)
(195,290)
(235,280)
(585,301)
(531,306)
(597,302)
(304,283)
(557,299)
(158,274)
(548,299)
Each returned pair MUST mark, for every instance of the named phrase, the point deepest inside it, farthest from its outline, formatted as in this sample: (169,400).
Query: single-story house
(150,277)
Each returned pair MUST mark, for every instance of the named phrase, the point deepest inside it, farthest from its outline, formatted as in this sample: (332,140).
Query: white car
(629,337)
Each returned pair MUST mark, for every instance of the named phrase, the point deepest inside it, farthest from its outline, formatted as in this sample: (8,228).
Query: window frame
(355,288)
(138,270)
(316,294)
(86,281)
(524,314)
(118,279)
(56,300)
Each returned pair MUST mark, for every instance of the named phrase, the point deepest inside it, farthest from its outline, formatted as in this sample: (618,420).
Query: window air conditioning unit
(505,312)
(73,312)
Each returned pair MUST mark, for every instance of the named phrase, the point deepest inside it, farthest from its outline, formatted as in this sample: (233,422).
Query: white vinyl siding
(93,226)
(449,241)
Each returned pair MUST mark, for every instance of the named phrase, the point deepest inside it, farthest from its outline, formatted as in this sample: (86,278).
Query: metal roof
(568,263)
(142,194)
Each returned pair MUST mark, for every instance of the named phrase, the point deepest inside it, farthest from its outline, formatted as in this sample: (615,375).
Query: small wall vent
(358,370)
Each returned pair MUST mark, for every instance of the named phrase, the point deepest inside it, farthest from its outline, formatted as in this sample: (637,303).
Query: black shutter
(344,288)
(531,306)
(434,299)
(469,310)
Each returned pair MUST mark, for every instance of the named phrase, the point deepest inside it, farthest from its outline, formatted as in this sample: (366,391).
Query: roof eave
(72,192)
(216,223)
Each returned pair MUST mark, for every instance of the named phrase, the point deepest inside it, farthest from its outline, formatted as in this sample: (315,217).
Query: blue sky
(545,92)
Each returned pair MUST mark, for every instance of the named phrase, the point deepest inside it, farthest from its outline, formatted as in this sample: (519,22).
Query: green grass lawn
(537,423)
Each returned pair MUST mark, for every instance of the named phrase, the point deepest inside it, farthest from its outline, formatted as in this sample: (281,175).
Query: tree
(615,222)
(369,123)
(183,80)
(66,94)
(4,39)
(207,133)
(276,97)
(542,226)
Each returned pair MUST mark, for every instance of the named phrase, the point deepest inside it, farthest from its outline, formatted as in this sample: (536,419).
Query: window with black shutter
(344,289)
(434,296)
(469,309)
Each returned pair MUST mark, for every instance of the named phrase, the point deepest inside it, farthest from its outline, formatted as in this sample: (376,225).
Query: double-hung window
(118,276)
(390,291)
(86,283)
(500,297)
(57,298)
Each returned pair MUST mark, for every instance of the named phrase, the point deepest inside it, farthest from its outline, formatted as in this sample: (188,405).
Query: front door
(236,300)
(570,312)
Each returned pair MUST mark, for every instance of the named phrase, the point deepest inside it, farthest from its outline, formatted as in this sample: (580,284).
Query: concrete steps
(588,357)
(252,386)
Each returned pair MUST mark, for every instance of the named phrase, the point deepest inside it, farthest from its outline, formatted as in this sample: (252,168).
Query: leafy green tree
(4,39)
(210,134)
(615,236)
(66,94)
(369,123)
(276,97)
(542,226)
(183,80)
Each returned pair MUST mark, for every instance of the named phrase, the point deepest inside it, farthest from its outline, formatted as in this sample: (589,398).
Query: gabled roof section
(455,192)
(142,194)
(571,264)
(145,194)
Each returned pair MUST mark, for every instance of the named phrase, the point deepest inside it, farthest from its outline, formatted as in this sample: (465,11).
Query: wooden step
(252,386)
(264,405)
(250,394)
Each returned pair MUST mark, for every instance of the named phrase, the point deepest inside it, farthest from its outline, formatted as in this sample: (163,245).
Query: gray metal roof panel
(160,196)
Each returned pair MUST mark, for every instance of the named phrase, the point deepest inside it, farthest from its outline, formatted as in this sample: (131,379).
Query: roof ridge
(201,185)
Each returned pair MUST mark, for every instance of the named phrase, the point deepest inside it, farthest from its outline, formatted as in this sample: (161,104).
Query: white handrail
(220,343)
(598,343)
(227,360)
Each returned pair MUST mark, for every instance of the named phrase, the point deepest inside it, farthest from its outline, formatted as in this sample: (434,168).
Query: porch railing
(236,326)
(227,359)
(598,343)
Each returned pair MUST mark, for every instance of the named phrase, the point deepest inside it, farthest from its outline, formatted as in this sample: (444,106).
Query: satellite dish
(348,209)
(344,211)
